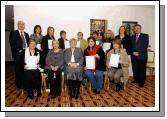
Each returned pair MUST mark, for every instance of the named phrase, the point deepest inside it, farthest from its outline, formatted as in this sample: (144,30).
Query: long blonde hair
(110,32)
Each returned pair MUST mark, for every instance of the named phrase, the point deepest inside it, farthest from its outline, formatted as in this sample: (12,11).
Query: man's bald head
(21,25)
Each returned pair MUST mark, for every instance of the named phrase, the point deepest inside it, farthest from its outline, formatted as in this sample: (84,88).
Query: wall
(77,18)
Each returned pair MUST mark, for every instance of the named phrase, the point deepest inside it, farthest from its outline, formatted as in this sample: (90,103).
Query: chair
(150,62)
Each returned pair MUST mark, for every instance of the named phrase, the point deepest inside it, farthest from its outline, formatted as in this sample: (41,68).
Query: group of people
(33,53)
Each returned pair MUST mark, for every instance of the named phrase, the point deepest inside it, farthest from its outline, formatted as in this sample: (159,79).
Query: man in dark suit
(19,41)
(140,43)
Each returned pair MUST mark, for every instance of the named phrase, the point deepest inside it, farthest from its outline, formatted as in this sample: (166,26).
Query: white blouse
(31,61)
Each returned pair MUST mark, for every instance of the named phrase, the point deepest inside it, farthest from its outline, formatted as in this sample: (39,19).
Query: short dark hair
(36,26)
(91,38)
(81,33)
(137,25)
(95,32)
(61,32)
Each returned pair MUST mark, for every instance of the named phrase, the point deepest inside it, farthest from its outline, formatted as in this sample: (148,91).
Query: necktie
(137,37)
(23,40)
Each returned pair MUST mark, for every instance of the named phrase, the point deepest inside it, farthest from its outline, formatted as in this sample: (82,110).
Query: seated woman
(116,72)
(95,75)
(54,65)
(33,75)
(73,59)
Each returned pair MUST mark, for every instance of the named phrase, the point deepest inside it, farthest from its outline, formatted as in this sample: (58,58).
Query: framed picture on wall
(99,25)
(129,26)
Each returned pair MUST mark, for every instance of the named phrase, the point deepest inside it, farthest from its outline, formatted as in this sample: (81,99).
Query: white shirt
(31,61)
(72,56)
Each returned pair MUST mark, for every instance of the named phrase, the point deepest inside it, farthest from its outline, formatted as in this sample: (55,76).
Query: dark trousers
(19,69)
(33,81)
(55,83)
(139,70)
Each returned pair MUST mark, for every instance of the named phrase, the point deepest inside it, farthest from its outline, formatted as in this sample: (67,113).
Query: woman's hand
(97,56)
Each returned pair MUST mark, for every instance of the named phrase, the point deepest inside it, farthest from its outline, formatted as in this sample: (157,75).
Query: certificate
(114,60)
(49,44)
(38,46)
(78,44)
(90,62)
(67,44)
(106,46)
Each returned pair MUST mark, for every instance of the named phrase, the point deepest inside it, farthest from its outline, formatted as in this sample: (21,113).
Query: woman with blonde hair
(46,40)
(108,38)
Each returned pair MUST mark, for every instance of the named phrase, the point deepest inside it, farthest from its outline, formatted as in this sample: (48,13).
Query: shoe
(141,85)
(94,90)
(134,81)
(97,92)
(118,87)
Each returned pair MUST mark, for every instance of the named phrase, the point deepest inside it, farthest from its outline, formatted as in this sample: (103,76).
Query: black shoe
(94,90)
(141,85)
(134,81)
(118,87)
(97,92)
(31,96)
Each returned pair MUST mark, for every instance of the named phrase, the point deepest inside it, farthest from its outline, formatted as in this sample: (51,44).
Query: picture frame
(99,25)
(129,25)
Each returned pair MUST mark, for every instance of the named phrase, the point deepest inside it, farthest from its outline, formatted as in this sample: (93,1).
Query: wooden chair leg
(81,89)
(62,84)
(22,92)
(44,84)
(89,87)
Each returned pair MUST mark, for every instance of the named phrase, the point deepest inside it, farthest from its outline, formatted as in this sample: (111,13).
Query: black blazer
(44,43)
(100,64)
(61,43)
(16,41)
(127,43)
(141,45)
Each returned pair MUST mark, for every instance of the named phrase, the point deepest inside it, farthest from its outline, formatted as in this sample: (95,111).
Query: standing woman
(115,73)
(37,36)
(33,75)
(62,39)
(73,58)
(54,65)
(108,38)
(44,44)
(125,39)
(95,76)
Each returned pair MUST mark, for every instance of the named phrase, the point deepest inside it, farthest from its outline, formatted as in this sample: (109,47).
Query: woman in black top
(44,44)
(125,39)
(62,39)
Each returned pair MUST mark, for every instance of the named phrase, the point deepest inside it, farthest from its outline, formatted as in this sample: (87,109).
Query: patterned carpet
(133,96)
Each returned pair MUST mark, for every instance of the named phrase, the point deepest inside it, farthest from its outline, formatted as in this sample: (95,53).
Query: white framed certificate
(67,44)
(49,44)
(90,62)
(106,46)
(114,60)
(38,46)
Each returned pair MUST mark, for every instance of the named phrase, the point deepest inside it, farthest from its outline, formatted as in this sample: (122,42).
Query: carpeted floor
(133,96)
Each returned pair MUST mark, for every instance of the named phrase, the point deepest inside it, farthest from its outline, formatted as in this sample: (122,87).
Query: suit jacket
(78,56)
(126,42)
(124,64)
(140,46)
(16,41)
